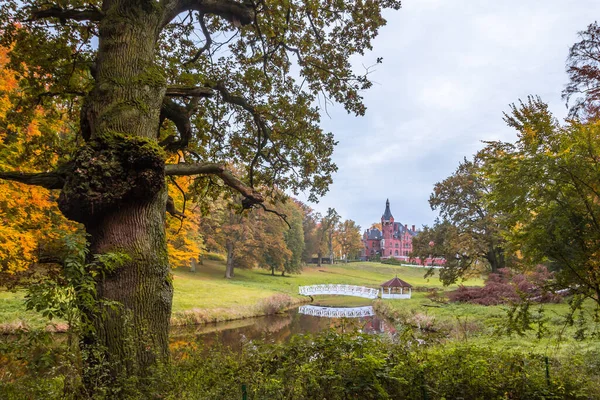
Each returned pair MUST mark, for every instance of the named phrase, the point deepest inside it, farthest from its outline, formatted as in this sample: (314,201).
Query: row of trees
(280,237)
(534,201)
(327,235)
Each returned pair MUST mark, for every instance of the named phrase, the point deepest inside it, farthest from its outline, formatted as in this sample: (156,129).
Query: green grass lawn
(212,297)
(14,315)
(486,325)
(207,288)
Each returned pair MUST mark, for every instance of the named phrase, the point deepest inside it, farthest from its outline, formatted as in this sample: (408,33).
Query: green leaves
(545,186)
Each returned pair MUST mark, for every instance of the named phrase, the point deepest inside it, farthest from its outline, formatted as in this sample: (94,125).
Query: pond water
(279,328)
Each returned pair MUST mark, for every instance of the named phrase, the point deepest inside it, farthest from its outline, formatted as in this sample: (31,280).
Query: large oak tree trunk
(136,332)
(117,189)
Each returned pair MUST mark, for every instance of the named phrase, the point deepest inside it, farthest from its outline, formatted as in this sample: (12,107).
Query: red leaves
(509,287)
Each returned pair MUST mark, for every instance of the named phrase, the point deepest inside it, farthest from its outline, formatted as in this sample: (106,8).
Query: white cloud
(450,68)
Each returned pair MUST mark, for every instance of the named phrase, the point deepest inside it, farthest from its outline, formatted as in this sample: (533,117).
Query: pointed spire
(387,214)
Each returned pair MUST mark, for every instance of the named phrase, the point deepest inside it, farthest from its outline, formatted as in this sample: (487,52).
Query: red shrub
(507,286)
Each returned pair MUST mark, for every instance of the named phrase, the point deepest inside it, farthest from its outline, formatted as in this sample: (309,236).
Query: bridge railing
(344,290)
(337,312)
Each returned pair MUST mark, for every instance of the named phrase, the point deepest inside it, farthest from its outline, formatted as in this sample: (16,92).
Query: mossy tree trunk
(117,189)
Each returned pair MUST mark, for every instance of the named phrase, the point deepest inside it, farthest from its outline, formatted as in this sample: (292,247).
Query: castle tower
(387,225)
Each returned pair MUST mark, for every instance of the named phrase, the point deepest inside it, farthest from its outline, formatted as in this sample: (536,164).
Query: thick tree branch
(237,13)
(48,180)
(171,209)
(251,196)
(64,14)
(189,91)
(180,116)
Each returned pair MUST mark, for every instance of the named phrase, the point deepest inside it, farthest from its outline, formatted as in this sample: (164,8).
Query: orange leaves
(184,240)
(29,220)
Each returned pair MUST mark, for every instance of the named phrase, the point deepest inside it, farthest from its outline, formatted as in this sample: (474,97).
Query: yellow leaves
(28,218)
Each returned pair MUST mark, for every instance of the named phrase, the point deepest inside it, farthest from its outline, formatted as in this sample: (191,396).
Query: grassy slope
(207,288)
(213,298)
(209,296)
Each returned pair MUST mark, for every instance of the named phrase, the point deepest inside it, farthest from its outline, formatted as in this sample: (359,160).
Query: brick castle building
(393,241)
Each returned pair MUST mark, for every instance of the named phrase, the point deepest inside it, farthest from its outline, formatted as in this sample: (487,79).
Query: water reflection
(279,328)
(337,312)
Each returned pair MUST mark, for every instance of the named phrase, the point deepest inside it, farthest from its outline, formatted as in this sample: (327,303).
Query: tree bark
(319,256)
(117,190)
(230,260)
(135,333)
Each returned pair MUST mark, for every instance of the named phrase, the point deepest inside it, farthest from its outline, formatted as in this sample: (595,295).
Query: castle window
(396,252)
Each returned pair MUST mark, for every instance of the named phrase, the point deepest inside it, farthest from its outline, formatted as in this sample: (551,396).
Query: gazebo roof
(395,283)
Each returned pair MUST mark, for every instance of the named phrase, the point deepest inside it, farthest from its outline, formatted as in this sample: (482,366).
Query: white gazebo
(396,289)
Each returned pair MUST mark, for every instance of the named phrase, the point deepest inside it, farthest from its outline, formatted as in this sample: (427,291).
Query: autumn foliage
(30,222)
(507,286)
(184,240)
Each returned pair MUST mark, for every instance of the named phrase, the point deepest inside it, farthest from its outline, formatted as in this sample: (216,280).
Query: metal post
(244,392)
(547,370)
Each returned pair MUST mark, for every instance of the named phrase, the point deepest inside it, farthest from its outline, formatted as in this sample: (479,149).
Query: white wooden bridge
(337,312)
(344,290)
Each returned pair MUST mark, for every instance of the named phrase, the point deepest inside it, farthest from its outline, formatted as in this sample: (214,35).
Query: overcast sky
(450,68)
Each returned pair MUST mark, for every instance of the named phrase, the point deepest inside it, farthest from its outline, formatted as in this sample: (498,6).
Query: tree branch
(63,14)
(48,180)
(207,43)
(280,215)
(189,91)
(251,196)
(171,209)
(264,131)
(180,116)
(237,13)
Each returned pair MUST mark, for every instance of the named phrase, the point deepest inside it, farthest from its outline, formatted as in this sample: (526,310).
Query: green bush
(391,261)
(215,257)
(358,366)
(347,366)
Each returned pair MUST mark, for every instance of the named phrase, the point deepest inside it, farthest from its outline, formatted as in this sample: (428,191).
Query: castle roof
(387,214)
(400,229)
(373,234)
(396,283)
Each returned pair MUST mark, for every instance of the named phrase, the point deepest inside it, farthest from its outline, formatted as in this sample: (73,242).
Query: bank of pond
(333,348)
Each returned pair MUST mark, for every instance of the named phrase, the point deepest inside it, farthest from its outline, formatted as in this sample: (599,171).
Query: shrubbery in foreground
(346,366)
